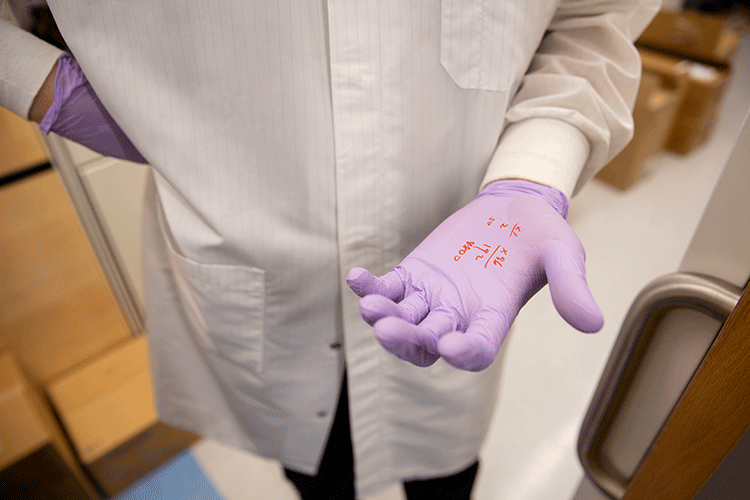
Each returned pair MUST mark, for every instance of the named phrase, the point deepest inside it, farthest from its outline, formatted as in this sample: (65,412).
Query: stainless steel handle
(707,295)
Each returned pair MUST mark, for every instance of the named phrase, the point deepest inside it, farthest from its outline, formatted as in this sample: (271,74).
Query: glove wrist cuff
(505,187)
(67,78)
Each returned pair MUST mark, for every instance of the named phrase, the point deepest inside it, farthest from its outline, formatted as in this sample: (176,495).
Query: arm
(27,66)
(41,83)
(44,98)
(573,111)
(450,297)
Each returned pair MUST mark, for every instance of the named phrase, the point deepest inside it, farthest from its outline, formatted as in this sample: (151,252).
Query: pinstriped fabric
(292,140)
(231,104)
(487,45)
(402,167)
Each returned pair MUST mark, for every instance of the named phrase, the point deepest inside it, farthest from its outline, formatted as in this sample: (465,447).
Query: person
(421,154)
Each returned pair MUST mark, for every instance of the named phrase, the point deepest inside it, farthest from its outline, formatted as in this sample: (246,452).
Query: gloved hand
(77,114)
(459,291)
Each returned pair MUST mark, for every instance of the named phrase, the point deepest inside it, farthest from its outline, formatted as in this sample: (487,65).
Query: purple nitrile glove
(77,114)
(459,291)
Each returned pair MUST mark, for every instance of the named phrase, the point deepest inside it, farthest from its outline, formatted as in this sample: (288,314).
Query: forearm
(547,151)
(24,69)
(585,73)
(44,97)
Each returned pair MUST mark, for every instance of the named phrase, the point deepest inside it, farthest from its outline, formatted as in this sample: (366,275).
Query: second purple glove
(77,114)
(456,295)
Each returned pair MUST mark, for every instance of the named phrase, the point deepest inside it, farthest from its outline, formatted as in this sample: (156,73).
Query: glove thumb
(566,275)
(364,283)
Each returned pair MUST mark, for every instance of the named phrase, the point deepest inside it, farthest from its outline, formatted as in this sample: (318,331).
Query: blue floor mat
(179,479)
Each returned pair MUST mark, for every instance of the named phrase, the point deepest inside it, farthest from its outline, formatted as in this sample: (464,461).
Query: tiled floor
(551,370)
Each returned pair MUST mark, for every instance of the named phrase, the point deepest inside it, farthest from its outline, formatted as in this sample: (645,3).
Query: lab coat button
(336,345)
(322,414)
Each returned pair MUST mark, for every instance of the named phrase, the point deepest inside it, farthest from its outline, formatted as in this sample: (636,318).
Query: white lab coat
(293,140)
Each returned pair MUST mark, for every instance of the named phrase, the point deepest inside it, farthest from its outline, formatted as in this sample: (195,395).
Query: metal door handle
(708,295)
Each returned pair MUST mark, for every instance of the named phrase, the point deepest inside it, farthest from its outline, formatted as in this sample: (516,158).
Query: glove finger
(416,344)
(566,275)
(374,307)
(475,349)
(363,283)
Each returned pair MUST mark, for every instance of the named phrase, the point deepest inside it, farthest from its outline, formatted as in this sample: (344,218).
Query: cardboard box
(659,98)
(106,407)
(704,89)
(699,46)
(32,463)
(692,35)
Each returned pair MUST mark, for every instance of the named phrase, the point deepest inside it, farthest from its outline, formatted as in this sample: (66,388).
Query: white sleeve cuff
(27,60)
(543,150)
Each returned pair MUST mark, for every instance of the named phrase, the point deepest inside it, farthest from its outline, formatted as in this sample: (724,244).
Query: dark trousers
(335,478)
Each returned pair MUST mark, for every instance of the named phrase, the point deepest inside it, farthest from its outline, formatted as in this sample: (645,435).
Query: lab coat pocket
(484,44)
(224,303)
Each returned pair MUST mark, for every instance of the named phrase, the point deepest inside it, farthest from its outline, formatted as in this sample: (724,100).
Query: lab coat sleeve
(25,63)
(573,110)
